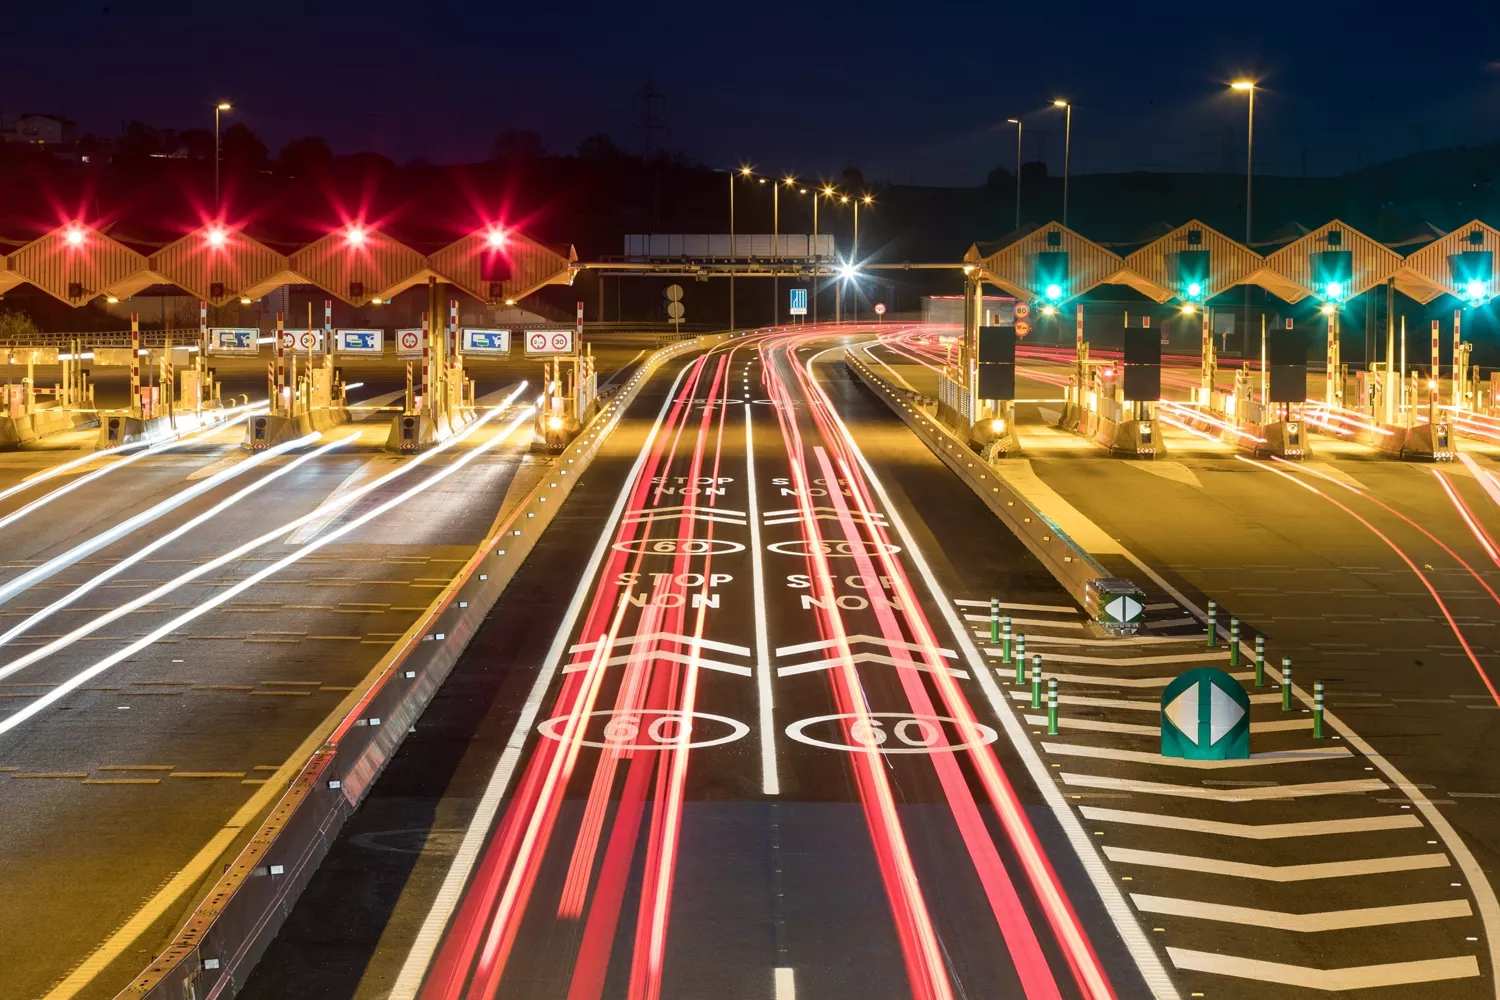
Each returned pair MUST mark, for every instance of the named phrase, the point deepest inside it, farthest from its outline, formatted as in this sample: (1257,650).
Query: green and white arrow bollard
(1020,659)
(994,619)
(1260,661)
(1286,683)
(1234,641)
(1005,639)
(1052,706)
(1036,680)
(1317,710)
(1213,622)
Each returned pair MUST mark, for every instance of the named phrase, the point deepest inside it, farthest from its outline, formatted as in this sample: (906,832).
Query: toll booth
(1282,427)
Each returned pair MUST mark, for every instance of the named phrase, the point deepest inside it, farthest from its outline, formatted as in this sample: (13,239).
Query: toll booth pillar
(1282,431)
(1135,433)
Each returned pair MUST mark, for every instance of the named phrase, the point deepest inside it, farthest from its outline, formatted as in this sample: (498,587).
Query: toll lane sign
(361,341)
(237,340)
(1205,715)
(486,341)
(546,342)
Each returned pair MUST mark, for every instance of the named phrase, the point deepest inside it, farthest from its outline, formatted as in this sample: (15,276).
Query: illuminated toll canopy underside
(78,263)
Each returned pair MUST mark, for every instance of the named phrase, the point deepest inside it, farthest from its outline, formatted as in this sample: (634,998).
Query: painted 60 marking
(873,734)
(647,729)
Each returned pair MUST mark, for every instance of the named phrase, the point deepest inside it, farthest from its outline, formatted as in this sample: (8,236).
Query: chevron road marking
(808,647)
(1130,682)
(1277,873)
(1138,661)
(1145,757)
(1138,706)
(1330,980)
(687,641)
(1067,640)
(1254,831)
(1306,923)
(665,657)
(1100,726)
(1255,793)
(1027,621)
(667,514)
(834,661)
(1061,609)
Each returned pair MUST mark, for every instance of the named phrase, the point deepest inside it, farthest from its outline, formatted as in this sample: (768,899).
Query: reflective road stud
(1036,680)
(1005,640)
(1286,683)
(1234,641)
(1020,659)
(1052,706)
(1317,710)
(994,619)
(1260,661)
(1213,621)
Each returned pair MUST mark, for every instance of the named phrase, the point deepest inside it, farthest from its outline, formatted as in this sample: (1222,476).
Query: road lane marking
(1156,759)
(1330,980)
(1137,661)
(807,647)
(1277,873)
(833,663)
(1131,682)
(1305,923)
(662,656)
(1039,622)
(1254,831)
(785,983)
(1350,786)
(1137,706)
(770,778)
(688,641)
(1061,609)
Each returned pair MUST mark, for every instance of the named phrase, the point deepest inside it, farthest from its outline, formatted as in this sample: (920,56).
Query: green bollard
(1036,680)
(1213,622)
(1317,710)
(1020,659)
(1005,640)
(1052,706)
(1234,641)
(1260,661)
(1286,683)
(994,619)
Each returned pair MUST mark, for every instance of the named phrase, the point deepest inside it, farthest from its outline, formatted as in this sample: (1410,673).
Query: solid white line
(785,985)
(1277,873)
(1254,793)
(1131,933)
(1358,977)
(424,945)
(63,560)
(770,778)
(68,686)
(1306,923)
(1254,831)
(1157,760)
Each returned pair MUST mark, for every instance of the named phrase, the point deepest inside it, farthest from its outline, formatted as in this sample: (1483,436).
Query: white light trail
(280,531)
(83,676)
(770,781)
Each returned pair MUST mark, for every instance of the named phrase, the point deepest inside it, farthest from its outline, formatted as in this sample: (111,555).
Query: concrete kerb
(16,432)
(214,952)
(1072,565)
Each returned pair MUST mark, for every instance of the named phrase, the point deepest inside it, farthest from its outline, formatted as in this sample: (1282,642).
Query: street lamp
(1248,87)
(826,191)
(1017,123)
(1067,152)
(219,109)
(744,172)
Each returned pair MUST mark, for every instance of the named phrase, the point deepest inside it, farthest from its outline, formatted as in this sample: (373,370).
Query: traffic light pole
(1210,359)
(1333,391)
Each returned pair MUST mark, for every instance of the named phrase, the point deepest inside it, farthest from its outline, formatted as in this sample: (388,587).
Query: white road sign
(549,342)
(408,343)
(360,341)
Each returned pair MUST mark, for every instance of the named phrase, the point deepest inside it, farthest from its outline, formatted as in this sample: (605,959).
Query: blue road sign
(799,302)
(361,341)
(487,341)
(223,340)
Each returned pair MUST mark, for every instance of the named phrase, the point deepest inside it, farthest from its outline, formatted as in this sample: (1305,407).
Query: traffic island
(16,432)
(267,430)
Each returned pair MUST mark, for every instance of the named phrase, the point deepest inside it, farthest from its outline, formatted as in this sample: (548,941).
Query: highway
(180,624)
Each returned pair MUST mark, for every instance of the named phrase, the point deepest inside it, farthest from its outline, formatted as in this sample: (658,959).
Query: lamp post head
(1242,85)
(1013,121)
(1060,104)
(744,171)
(868,199)
(222,106)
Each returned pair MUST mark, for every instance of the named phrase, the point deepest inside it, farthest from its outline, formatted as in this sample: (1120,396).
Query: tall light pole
(733,176)
(1067,152)
(219,109)
(826,191)
(1017,123)
(1248,86)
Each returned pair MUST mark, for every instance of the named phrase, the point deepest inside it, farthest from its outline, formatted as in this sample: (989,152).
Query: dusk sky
(906,92)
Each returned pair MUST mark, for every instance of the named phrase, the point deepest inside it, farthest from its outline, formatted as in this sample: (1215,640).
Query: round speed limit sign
(560,341)
(880,309)
(1022,310)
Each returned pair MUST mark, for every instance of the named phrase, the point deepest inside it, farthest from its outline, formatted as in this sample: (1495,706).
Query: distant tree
(854,180)
(307,155)
(17,328)
(240,147)
(199,143)
(518,144)
(999,179)
(599,146)
(138,140)
(1033,172)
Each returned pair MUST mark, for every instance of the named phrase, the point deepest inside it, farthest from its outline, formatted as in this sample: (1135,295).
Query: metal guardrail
(213,954)
(1065,559)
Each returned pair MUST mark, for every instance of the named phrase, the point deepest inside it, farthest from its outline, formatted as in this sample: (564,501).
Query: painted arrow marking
(1306,923)
(685,660)
(1255,831)
(854,640)
(688,641)
(1255,793)
(1356,977)
(1144,757)
(836,661)
(1277,873)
